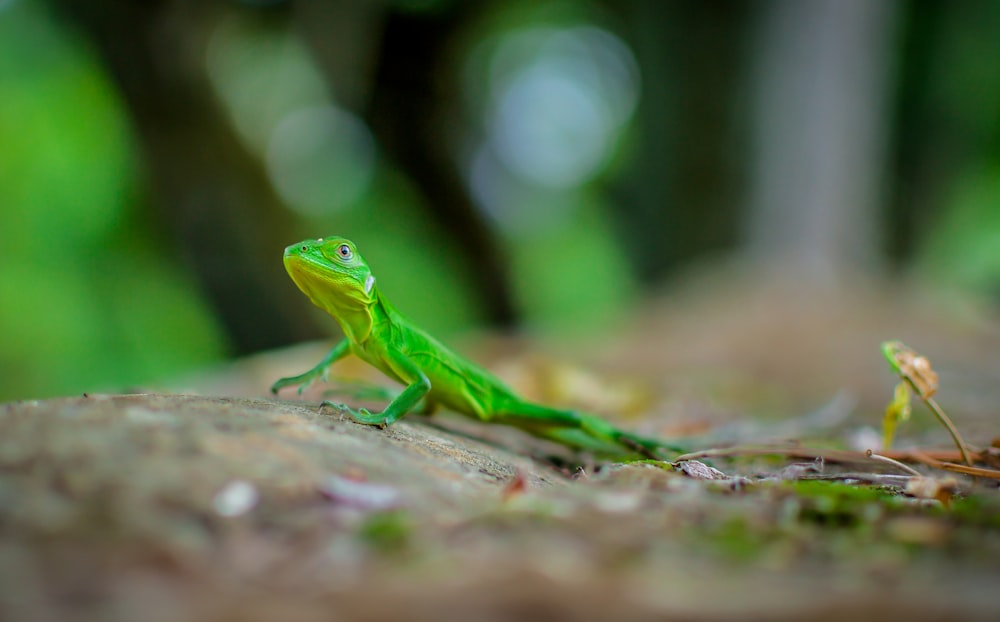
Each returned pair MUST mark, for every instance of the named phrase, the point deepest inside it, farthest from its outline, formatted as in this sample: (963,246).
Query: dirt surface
(173,507)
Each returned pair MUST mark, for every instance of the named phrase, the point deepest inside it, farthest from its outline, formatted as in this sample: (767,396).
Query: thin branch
(844,456)
(895,463)
(970,470)
(879,479)
(946,422)
(835,455)
(950,455)
(907,364)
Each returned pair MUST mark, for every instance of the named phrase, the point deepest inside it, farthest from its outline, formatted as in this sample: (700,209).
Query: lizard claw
(305,385)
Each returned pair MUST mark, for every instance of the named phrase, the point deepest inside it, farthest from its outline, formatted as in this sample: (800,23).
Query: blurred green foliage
(543,129)
(90,297)
(965,246)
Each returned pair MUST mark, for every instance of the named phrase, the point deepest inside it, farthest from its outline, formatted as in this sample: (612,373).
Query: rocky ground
(169,506)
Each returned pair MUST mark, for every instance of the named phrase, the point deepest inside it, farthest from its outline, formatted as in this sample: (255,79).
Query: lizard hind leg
(361,390)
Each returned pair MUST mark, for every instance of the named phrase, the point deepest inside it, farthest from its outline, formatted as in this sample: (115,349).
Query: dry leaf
(913,366)
(700,470)
(517,486)
(939,488)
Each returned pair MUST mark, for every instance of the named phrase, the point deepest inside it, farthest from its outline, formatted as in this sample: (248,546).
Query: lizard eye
(344,251)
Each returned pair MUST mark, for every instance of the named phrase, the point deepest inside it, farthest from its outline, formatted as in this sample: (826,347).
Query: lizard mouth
(322,284)
(311,276)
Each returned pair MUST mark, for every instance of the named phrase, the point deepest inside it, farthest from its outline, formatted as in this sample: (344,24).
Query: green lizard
(338,280)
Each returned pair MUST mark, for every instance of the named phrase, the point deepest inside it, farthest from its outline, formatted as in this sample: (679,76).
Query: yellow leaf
(898,410)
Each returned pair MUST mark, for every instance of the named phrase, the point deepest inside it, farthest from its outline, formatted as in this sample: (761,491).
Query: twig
(946,422)
(835,455)
(906,363)
(931,460)
(934,454)
(726,452)
(845,456)
(879,479)
(924,458)
(895,463)
(970,470)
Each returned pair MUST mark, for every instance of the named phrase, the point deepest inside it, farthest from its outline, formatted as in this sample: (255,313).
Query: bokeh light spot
(554,102)
(321,158)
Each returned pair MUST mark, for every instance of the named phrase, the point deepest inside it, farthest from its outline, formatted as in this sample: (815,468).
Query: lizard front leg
(406,401)
(336,353)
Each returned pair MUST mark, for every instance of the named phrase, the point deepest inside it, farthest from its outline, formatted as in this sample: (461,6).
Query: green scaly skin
(338,280)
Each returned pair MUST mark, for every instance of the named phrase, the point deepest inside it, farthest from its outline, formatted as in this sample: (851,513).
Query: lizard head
(331,272)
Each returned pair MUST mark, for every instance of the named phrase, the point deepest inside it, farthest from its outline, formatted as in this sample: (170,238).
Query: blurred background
(552,167)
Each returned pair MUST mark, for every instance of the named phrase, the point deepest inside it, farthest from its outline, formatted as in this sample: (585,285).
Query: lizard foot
(359,415)
(303,381)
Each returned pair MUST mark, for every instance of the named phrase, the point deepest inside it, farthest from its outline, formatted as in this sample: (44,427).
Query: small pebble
(361,495)
(236,498)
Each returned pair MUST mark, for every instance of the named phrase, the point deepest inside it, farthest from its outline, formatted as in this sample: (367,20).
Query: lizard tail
(648,447)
